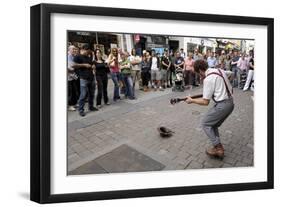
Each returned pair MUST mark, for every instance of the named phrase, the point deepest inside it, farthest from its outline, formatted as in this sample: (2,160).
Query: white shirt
(214,86)
(135,58)
(154,63)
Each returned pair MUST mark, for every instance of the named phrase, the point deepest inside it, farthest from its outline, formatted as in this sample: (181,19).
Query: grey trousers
(215,117)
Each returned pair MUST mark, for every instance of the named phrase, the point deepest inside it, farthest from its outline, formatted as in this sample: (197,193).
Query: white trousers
(250,77)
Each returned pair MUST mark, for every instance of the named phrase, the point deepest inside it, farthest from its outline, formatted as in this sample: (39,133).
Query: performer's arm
(199,101)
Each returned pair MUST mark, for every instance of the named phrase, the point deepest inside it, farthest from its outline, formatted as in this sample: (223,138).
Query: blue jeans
(129,85)
(86,87)
(235,77)
(115,76)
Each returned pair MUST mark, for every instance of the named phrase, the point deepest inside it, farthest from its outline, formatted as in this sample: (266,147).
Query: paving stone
(226,165)
(73,126)
(241,164)
(194,165)
(229,160)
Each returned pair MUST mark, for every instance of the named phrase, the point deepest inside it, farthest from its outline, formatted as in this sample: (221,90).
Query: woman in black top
(145,71)
(101,70)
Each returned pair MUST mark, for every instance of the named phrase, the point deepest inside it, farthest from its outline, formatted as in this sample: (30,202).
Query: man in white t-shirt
(216,86)
(155,71)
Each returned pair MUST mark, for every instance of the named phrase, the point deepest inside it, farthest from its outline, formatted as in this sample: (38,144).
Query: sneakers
(117,98)
(71,108)
(82,113)
(98,106)
(216,151)
(161,89)
(93,108)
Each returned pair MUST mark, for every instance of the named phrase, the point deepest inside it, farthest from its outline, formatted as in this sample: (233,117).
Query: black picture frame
(40,185)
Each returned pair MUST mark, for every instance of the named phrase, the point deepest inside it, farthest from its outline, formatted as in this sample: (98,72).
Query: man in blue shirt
(212,61)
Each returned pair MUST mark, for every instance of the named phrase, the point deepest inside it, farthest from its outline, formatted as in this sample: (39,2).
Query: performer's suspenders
(221,75)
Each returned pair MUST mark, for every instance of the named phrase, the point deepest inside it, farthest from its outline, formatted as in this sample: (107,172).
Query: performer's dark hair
(200,65)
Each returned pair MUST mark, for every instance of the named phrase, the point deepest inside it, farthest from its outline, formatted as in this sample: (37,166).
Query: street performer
(216,86)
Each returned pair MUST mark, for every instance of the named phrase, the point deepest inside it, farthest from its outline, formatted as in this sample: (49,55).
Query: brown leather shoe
(216,151)
(145,89)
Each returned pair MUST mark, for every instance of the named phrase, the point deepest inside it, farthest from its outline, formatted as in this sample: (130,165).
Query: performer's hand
(189,100)
(87,65)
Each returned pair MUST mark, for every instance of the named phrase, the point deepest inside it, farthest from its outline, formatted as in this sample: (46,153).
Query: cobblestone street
(122,137)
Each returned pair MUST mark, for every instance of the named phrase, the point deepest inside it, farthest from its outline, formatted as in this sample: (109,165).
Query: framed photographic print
(133,103)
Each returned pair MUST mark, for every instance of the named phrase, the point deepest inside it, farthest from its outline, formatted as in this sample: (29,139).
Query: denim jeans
(115,76)
(235,77)
(129,85)
(86,87)
(122,86)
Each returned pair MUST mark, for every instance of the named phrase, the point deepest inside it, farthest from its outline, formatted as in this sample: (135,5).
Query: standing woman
(125,67)
(145,71)
(101,69)
(115,72)
(189,75)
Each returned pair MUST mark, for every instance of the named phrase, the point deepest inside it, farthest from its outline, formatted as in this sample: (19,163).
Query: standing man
(155,71)
(165,69)
(182,53)
(216,86)
(212,60)
(73,84)
(179,61)
(83,63)
(197,55)
(171,69)
(234,68)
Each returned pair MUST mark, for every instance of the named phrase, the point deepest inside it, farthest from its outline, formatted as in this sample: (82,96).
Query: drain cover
(122,159)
